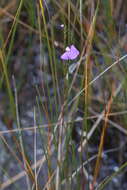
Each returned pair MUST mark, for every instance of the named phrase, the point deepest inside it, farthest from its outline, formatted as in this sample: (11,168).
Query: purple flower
(70,54)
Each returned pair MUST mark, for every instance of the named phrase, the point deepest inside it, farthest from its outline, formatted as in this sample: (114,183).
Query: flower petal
(70,54)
